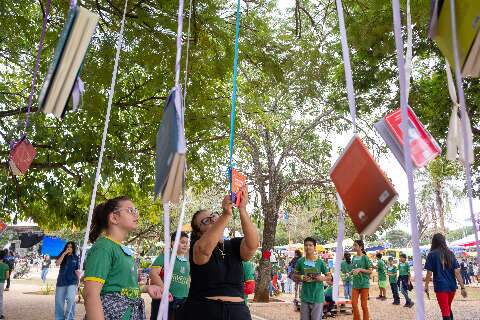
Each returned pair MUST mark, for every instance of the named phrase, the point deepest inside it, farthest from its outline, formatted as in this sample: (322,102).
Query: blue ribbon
(234,91)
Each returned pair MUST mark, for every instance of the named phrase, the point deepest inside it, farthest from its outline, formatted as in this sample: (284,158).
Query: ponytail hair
(348,257)
(101,214)
(361,245)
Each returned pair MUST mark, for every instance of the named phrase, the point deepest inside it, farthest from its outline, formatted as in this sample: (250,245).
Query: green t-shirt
(181,276)
(329,291)
(346,271)
(393,277)
(248,271)
(381,270)
(112,264)
(3,269)
(361,280)
(404,269)
(312,292)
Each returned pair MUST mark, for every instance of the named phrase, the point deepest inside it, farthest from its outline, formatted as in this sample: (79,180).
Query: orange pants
(363,293)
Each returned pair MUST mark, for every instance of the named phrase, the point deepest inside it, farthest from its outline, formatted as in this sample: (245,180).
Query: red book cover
(3,226)
(423,146)
(238,182)
(22,155)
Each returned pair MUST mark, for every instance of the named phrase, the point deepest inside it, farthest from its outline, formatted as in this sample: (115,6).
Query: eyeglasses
(210,219)
(132,211)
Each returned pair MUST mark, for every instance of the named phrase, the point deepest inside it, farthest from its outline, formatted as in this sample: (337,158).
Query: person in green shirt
(404,279)
(111,280)
(311,272)
(4,274)
(392,278)
(362,268)
(346,268)
(180,284)
(249,279)
(382,277)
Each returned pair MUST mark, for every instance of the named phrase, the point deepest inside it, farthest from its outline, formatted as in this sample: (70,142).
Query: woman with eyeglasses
(111,282)
(67,281)
(216,271)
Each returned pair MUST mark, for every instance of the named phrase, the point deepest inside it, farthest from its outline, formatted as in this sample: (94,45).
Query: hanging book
(468,36)
(67,60)
(423,146)
(3,226)
(21,156)
(238,182)
(366,192)
(171,150)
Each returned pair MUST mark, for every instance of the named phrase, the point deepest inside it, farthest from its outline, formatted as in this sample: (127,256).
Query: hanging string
(169,263)
(37,67)
(234,91)
(408,57)
(417,258)
(353,111)
(463,112)
(185,75)
(104,136)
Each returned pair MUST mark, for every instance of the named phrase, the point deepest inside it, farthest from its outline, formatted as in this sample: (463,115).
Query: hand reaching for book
(244,198)
(227,205)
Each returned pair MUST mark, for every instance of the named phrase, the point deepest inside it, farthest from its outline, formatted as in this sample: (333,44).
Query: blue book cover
(72,13)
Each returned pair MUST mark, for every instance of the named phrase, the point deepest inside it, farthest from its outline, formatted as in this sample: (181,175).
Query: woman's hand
(155,292)
(243,198)
(68,252)
(463,292)
(356,271)
(227,205)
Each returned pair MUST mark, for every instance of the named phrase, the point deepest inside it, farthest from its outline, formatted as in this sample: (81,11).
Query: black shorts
(206,309)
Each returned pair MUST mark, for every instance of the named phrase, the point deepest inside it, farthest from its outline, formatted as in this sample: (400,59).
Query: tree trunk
(264,268)
(439,205)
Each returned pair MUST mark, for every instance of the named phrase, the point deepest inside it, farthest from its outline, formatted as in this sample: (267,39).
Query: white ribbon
(455,143)
(339,249)
(409,55)
(417,258)
(465,124)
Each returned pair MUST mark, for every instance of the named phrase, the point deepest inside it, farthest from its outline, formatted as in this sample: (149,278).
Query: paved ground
(21,304)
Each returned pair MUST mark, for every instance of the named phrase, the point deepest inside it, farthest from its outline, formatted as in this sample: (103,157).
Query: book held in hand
(238,182)
(423,146)
(365,190)
(67,60)
(171,148)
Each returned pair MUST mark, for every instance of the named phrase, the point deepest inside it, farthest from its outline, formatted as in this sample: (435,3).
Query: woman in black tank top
(216,289)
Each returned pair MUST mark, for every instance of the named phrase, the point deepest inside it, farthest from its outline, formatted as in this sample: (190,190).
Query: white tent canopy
(468,239)
(346,243)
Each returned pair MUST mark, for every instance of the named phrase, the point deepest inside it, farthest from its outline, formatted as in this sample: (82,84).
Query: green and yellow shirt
(312,292)
(112,264)
(404,269)
(392,270)
(3,270)
(346,271)
(361,280)
(180,284)
(381,270)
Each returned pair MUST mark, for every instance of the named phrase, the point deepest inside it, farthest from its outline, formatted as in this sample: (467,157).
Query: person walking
(111,280)
(471,274)
(362,268)
(392,272)
(346,268)
(216,290)
(442,264)
(464,271)
(4,274)
(249,279)
(291,272)
(404,279)
(45,267)
(67,281)
(10,261)
(382,277)
(312,272)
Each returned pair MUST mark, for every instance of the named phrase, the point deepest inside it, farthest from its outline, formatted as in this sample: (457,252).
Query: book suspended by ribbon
(21,156)
(423,146)
(468,36)
(62,76)
(239,180)
(365,190)
(171,149)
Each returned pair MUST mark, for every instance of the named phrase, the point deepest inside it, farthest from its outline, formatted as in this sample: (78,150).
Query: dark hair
(310,239)
(74,250)
(2,255)
(378,255)
(390,258)
(195,228)
(183,234)
(298,253)
(439,243)
(101,214)
(361,245)
(403,255)
(348,257)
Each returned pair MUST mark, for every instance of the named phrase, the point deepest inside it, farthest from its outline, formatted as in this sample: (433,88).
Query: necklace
(222,251)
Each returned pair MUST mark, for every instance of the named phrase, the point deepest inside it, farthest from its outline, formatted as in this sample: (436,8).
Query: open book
(171,148)
(364,189)
(67,60)
(468,36)
(423,146)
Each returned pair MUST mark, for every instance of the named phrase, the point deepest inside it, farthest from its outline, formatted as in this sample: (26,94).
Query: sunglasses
(132,211)
(210,219)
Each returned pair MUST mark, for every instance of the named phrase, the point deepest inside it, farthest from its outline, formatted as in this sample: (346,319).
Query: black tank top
(220,276)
